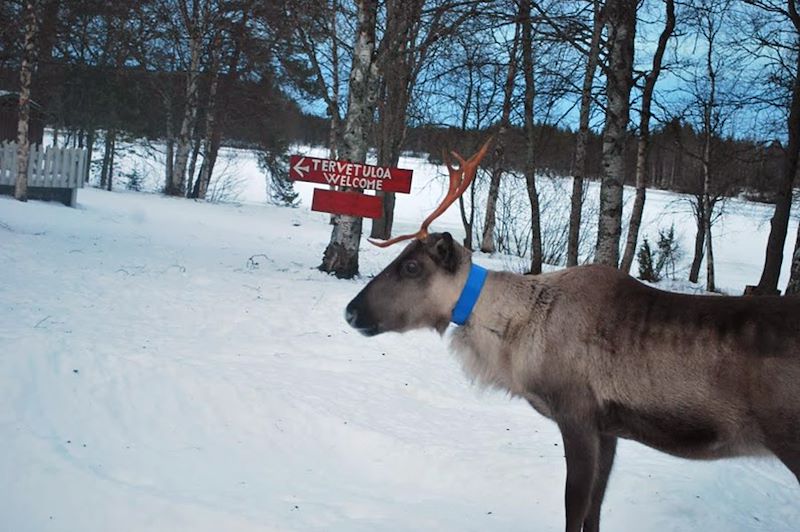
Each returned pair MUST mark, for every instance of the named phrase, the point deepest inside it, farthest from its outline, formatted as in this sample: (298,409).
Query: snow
(176,365)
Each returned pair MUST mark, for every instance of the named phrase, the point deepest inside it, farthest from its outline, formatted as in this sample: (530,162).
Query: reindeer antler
(460,179)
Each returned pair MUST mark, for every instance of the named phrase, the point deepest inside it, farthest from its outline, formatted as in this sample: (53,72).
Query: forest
(700,97)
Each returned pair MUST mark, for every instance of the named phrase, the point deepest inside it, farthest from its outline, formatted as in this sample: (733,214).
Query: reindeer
(601,354)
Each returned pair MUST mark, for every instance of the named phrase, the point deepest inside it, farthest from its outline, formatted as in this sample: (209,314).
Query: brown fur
(606,356)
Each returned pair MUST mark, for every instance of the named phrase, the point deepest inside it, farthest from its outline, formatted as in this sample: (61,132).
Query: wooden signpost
(357,176)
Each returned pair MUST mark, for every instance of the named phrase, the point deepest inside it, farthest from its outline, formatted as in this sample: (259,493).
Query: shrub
(647,270)
(655,265)
(134,180)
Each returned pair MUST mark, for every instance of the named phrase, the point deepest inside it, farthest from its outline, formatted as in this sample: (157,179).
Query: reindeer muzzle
(360,318)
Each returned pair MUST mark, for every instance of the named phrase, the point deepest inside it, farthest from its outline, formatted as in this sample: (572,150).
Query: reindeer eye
(412,268)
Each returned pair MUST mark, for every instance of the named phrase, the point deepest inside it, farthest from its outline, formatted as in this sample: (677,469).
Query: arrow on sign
(301,170)
(349,174)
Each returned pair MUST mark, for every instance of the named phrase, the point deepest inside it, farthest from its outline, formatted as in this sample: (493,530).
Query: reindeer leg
(790,456)
(608,447)
(582,451)
(783,439)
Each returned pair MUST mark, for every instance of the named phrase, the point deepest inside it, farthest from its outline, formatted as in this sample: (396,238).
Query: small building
(9,119)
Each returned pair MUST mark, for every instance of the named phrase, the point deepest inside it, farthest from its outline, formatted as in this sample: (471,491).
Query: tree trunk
(779,225)
(709,129)
(699,240)
(335,128)
(333,140)
(707,208)
(25,74)
(214,132)
(621,24)
(530,137)
(487,241)
(112,148)
(192,165)
(382,227)
(104,167)
(48,28)
(329,91)
(643,146)
(169,167)
(178,184)
(341,254)
(210,152)
(398,68)
(642,149)
(204,177)
(108,157)
(390,128)
(579,173)
(794,277)
(677,166)
(467,221)
(90,136)
(392,131)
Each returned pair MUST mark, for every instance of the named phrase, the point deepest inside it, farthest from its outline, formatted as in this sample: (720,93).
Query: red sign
(347,174)
(349,203)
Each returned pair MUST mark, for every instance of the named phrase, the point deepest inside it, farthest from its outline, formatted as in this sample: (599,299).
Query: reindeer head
(421,286)
(417,290)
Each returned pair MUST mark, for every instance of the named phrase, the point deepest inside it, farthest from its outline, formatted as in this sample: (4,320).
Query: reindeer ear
(443,251)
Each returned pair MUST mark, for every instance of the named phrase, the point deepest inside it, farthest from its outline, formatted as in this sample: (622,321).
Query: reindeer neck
(509,309)
(507,301)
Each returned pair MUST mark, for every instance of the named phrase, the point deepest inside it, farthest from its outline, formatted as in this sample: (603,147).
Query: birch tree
(195,16)
(393,64)
(487,240)
(25,74)
(341,254)
(643,142)
(318,33)
(572,30)
(709,28)
(234,33)
(399,62)
(530,137)
(415,31)
(582,138)
(713,101)
(620,22)
(473,95)
(204,177)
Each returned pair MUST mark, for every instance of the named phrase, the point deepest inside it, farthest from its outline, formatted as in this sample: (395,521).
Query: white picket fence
(48,168)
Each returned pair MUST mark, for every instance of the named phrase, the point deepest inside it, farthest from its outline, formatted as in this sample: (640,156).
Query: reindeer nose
(351,315)
(360,318)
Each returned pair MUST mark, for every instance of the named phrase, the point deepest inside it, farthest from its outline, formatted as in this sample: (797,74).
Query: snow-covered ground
(174,365)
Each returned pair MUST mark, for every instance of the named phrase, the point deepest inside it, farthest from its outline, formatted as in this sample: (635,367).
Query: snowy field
(740,234)
(175,365)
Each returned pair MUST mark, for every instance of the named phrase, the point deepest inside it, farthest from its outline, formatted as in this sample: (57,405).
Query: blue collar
(469,295)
